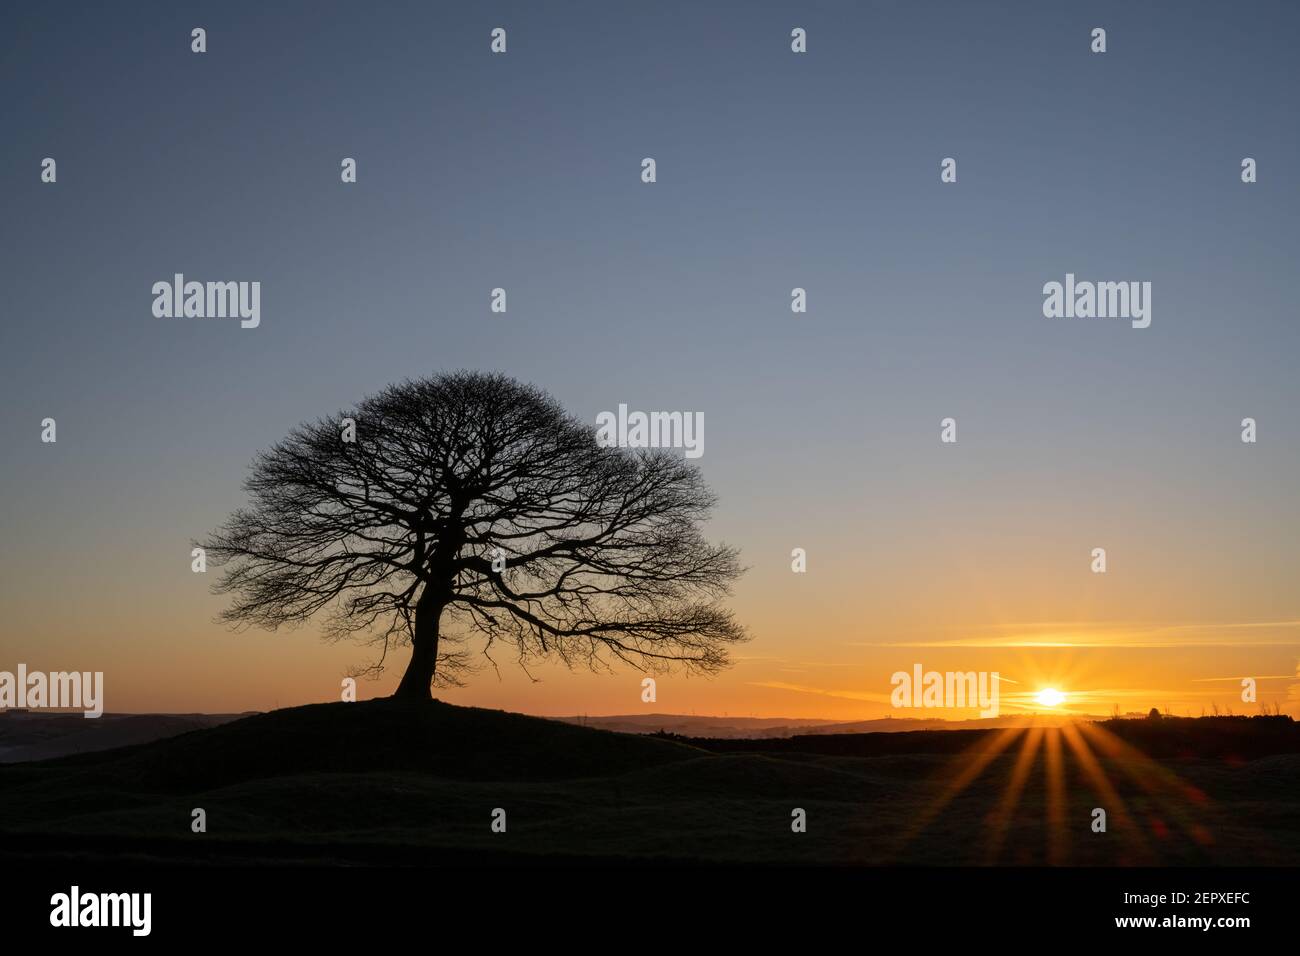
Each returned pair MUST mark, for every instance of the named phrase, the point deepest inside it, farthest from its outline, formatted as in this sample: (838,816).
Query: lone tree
(476,500)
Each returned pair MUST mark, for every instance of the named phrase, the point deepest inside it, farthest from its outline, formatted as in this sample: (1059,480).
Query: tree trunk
(424,652)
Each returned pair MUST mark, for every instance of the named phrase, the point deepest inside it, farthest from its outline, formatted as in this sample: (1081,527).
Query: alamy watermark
(57,690)
(1101,300)
(208,300)
(75,908)
(948,689)
(651,430)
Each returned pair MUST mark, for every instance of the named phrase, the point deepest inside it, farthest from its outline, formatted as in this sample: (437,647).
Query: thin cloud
(1128,625)
(1065,634)
(822,692)
(978,644)
(1205,680)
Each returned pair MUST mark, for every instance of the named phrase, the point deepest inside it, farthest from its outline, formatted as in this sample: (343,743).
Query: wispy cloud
(822,691)
(1205,680)
(1109,634)
(1115,644)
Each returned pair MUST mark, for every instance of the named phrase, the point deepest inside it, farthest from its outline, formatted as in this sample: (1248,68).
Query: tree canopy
(470,504)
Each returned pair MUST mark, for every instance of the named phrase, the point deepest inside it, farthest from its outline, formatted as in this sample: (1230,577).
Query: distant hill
(42,735)
(739,728)
(692,726)
(1234,740)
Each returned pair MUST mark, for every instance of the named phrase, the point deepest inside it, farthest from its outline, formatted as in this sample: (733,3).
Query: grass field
(389,782)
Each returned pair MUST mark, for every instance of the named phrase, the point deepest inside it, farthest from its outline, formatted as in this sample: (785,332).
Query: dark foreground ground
(384,782)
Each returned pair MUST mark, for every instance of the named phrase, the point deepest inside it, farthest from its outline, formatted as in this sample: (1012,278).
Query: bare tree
(474,500)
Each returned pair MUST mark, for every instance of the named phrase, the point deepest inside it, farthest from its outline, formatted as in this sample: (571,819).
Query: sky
(775,170)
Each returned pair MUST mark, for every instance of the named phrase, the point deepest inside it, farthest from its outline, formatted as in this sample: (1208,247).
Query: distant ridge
(761,728)
(43,735)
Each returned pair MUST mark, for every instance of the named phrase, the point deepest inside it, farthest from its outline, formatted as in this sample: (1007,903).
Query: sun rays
(1062,775)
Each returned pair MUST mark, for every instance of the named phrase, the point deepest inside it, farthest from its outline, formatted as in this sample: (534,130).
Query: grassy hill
(384,781)
(372,736)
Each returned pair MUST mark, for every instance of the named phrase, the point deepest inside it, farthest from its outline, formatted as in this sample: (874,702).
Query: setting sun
(1050,697)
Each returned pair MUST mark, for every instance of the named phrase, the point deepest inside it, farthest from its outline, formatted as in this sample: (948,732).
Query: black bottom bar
(671,904)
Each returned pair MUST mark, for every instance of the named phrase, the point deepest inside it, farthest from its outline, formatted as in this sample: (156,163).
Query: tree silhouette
(476,500)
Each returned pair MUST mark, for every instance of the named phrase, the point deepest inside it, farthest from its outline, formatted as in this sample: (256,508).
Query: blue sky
(775,170)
